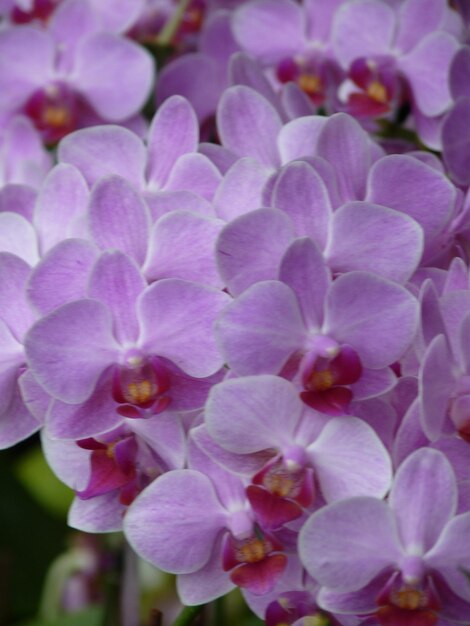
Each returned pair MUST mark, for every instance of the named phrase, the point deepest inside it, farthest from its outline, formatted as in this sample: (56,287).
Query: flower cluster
(241,322)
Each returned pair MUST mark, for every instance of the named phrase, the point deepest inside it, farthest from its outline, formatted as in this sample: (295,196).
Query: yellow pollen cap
(377,92)
(56,116)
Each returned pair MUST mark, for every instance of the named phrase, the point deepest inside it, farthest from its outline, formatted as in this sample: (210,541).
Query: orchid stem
(185,618)
(168,31)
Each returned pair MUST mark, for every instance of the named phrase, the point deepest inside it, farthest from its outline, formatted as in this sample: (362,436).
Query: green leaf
(34,473)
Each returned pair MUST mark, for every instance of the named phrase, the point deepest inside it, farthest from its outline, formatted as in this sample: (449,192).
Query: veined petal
(350,460)
(174,131)
(377,317)
(250,248)
(261,329)
(182,246)
(174,523)
(346,544)
(248,125)
(104,150)
(101,61)
(68,349)
(241,417)
(117,282)
(62,275)
(119,218)
(270,30)
(423,498)
(177,322)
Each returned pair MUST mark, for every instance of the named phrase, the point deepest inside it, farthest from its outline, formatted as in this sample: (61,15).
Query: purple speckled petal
(222,158)
(456,143)
(250,248)
(345,145)
(302,194)
(119,218)
(350,460)
(260,330)
(376,317)
(357,237)
(89,419)
(62,275)
(182,245)
(196,173)
(357,602)
(373,383)
(17,423)
(244,70)
(12,358)
(25,159)
(423,498)
(102,514)
(407,185)
(304,270)
(68,349)
(436,385)
(105,150)
(98,80)
(18,237)
(409,436)
(69,462)
(361,29)
(244,464)
(175,521)
(248,125)
(208,583)
(164,433)
(345,545)
(270,30)
(62,198)
(14,307)
(26,63)
(242,418)
(162,202)
(117,15)
(451,555)
(69,23)
(184,332)
(16,198)
(296,102)
(241,189)
(415,21)
(298,138)
(174,131)
(459,76)
(427,69)
(36,400)
(117,282)
(185,75)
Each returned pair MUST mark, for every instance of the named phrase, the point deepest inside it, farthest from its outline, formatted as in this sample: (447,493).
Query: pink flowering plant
(235,312)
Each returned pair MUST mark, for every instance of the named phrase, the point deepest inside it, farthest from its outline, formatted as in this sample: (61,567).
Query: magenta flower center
(54,111)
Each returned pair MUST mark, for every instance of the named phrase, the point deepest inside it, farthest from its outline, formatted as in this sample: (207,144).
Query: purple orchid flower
(104,356)
(108,471)
(400,562)
(50,76)
(289,451)
(202,527)
(378,45)
(328,333)
(294,42)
